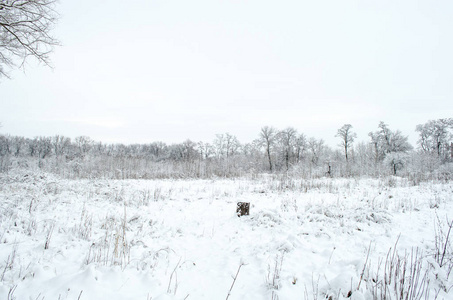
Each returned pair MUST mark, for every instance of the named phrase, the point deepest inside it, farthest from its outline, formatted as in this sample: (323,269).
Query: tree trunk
(269,157)
(346,152)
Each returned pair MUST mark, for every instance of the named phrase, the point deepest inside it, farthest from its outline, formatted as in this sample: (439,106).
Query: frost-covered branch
(25,27)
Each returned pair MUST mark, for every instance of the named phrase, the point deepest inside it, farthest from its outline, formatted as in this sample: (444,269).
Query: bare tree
(5,145)
(399,143)
(101,149)
(396,161)
(189,150)
(18,143)
(435,135)
(44,146)
(32,147)
(387,141)
(60,144)
(219,146)
(390,147)
(267,139)
(25,27)
(185,152)
(347,138)
(375,141)
(226,145)
(301,147)
(157,150)
(287,138)
(84,144)
(316,148)
(232,145)
(205,150)
(385,135)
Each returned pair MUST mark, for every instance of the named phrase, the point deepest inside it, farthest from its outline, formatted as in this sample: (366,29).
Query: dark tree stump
(243,209)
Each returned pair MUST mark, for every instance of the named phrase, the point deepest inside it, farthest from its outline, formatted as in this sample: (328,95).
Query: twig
(171,277)
(315,288)
(330,258)
(446,243)
(49,236)
(364,266)
(11,292)
(234,280)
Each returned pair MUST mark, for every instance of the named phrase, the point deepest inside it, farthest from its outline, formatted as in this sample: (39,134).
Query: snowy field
(182,239)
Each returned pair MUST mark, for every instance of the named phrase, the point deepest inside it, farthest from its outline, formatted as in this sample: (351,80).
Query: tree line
(284,151)
(25,31)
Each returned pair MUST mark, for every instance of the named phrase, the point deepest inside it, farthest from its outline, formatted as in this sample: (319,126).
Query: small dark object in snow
(243,209)
(349,294)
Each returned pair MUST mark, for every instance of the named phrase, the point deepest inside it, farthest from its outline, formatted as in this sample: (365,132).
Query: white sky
(141,71)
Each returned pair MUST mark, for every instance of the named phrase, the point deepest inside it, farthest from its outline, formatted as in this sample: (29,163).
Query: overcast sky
(141,71)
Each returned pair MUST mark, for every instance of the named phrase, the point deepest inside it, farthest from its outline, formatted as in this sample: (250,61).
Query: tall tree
(435,135)
(347,138)
(5,145)
(390,146)
(232,145)
(267,139)
(301,147)
(387,141)
(44,146)
(205,150)
(287,138)
(18,144)
(60,144)
(25,27)
(84,144)
(396,161)
(316,148)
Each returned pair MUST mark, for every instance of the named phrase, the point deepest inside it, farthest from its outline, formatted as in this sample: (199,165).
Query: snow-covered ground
(182,239)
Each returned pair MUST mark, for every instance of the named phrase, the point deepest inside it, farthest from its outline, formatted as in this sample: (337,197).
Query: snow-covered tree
(84,144)
(267,139)
(300,147)
(435,136)
(347,138)
(25,27)
(287,139)
(390,146)
(315,148)
(60,144)
(387,141)
(396,161)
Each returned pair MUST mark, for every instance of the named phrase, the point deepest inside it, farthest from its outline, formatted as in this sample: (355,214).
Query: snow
(182,239)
